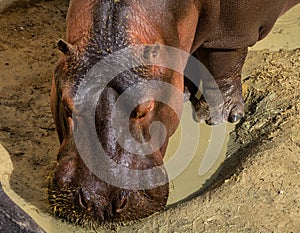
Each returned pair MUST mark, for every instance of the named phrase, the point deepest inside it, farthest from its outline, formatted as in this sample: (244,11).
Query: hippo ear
(65,47)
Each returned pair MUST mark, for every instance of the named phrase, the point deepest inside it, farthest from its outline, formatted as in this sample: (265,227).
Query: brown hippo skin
(216,32)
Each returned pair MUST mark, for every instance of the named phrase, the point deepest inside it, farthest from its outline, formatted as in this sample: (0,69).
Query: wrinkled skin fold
(216,32)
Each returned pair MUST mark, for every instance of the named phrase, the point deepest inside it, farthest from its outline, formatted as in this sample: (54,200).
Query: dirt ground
(259,186)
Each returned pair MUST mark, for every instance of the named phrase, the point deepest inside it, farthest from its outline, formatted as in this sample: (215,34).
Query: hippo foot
(230,109)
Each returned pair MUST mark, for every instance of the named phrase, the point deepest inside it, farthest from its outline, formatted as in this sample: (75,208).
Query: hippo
(218,33)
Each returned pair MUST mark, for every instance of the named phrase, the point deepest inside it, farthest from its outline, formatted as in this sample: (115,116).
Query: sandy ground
(259,186)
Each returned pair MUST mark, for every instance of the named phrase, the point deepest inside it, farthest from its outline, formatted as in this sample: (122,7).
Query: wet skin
(96,28)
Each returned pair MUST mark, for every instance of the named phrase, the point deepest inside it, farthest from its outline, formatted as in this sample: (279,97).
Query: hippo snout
(79,196)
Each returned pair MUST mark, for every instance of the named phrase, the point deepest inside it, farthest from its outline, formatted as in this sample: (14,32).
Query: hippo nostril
(121,207)
(82,200)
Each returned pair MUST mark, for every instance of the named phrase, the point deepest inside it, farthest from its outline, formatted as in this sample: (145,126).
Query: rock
(13,218)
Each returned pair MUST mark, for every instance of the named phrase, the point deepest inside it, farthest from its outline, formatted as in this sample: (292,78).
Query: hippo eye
(151,52)
(68,108)
(142,110)
(68,105)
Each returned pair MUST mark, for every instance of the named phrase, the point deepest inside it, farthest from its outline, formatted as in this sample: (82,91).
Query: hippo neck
(95,28)
(79,20)
(98,22)
(118,24)
(109,25)
(109,29)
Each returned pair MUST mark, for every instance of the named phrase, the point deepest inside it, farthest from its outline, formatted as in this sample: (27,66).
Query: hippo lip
(78,196)
(76,206)
(69,204)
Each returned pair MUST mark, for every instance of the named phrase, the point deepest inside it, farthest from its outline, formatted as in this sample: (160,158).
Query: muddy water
(48,223)
(194,155)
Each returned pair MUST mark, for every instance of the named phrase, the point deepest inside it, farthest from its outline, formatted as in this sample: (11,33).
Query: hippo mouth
(80,197)
(78,206)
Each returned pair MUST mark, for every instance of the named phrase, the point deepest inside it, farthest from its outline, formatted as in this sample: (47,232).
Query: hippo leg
(225,65)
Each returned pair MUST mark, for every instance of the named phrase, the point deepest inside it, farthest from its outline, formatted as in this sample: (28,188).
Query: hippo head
(120,180)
